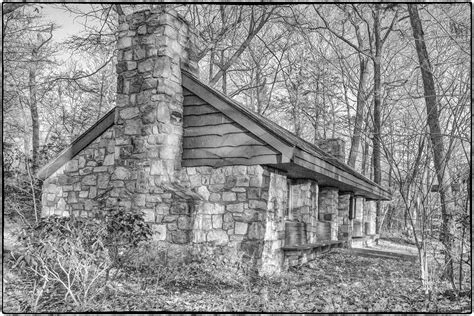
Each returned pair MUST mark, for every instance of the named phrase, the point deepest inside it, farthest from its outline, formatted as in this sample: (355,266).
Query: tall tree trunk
(356,135)
(316,113)
(34,112)
(439,154)
(224,75)
(377,104)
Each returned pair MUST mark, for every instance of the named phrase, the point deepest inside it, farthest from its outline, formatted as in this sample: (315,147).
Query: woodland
(392,80)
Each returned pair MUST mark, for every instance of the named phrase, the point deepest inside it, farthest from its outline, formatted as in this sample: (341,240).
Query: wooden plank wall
(212,139)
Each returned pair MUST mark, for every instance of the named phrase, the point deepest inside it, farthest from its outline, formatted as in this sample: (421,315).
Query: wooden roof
(300,159)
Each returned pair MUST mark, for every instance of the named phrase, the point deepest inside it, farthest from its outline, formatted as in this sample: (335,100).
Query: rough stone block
(195,180)
(159,232)
(240,228)
(72,166)
(148,215)
(235,208)
(243,181)
(216,221)
(212,208)
(214,197)
(103,180)
(124,42)
(218,237)
(258,204)
(228,196)
(199,236)
(121,173)
(90,179)
(180,237)
(218,178)
(83,194)
(203,222)
(256,231)
(216,187)
(183,222)
(129,113)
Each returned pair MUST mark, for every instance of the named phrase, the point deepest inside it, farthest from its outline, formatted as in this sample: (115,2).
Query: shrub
(71,257)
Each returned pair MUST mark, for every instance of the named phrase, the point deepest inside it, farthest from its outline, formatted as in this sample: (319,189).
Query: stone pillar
(304,206)
(152,47)
(328,208)
(344,223)
(358,222)
(333,146)
(272,255)
(370,215)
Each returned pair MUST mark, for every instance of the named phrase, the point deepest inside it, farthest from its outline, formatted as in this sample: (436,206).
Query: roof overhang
(297,162)
(77,145)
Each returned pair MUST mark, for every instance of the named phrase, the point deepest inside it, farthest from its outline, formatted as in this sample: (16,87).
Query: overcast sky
(61,18)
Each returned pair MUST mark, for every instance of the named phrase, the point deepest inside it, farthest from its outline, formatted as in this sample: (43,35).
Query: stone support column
(370,211)
(344,223)
(328,208)
(358,222)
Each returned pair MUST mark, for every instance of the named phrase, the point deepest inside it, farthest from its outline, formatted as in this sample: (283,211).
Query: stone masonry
(369,217)
(152,48)
(305,206)
(136,164)
(343,221)
(79,186)
(328,209)
(272,255)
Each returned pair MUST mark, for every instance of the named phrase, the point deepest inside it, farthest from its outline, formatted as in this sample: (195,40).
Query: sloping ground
(336,282)
(388,250)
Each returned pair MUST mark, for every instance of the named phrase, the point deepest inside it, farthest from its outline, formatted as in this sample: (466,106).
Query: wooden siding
(212,139)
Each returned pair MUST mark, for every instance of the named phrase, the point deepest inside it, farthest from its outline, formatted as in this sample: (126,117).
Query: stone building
(201,167)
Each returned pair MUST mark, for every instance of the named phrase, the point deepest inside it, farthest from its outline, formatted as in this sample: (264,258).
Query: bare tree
(439,153)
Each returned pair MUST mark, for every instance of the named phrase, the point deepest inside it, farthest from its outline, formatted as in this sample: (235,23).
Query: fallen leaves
(336,282)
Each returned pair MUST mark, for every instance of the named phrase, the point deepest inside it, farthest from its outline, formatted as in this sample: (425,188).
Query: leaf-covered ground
(335,282)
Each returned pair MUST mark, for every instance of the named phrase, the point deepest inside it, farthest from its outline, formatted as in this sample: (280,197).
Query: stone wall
(328,209)
(232,206)
(79,185)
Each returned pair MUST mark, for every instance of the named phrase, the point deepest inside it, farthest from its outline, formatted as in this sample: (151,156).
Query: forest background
(392,80)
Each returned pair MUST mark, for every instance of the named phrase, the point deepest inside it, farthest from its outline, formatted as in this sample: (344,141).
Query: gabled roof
(298,156)
(300,159)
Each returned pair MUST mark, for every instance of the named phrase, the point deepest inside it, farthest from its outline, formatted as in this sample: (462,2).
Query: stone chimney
(334,147)
(153,46)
